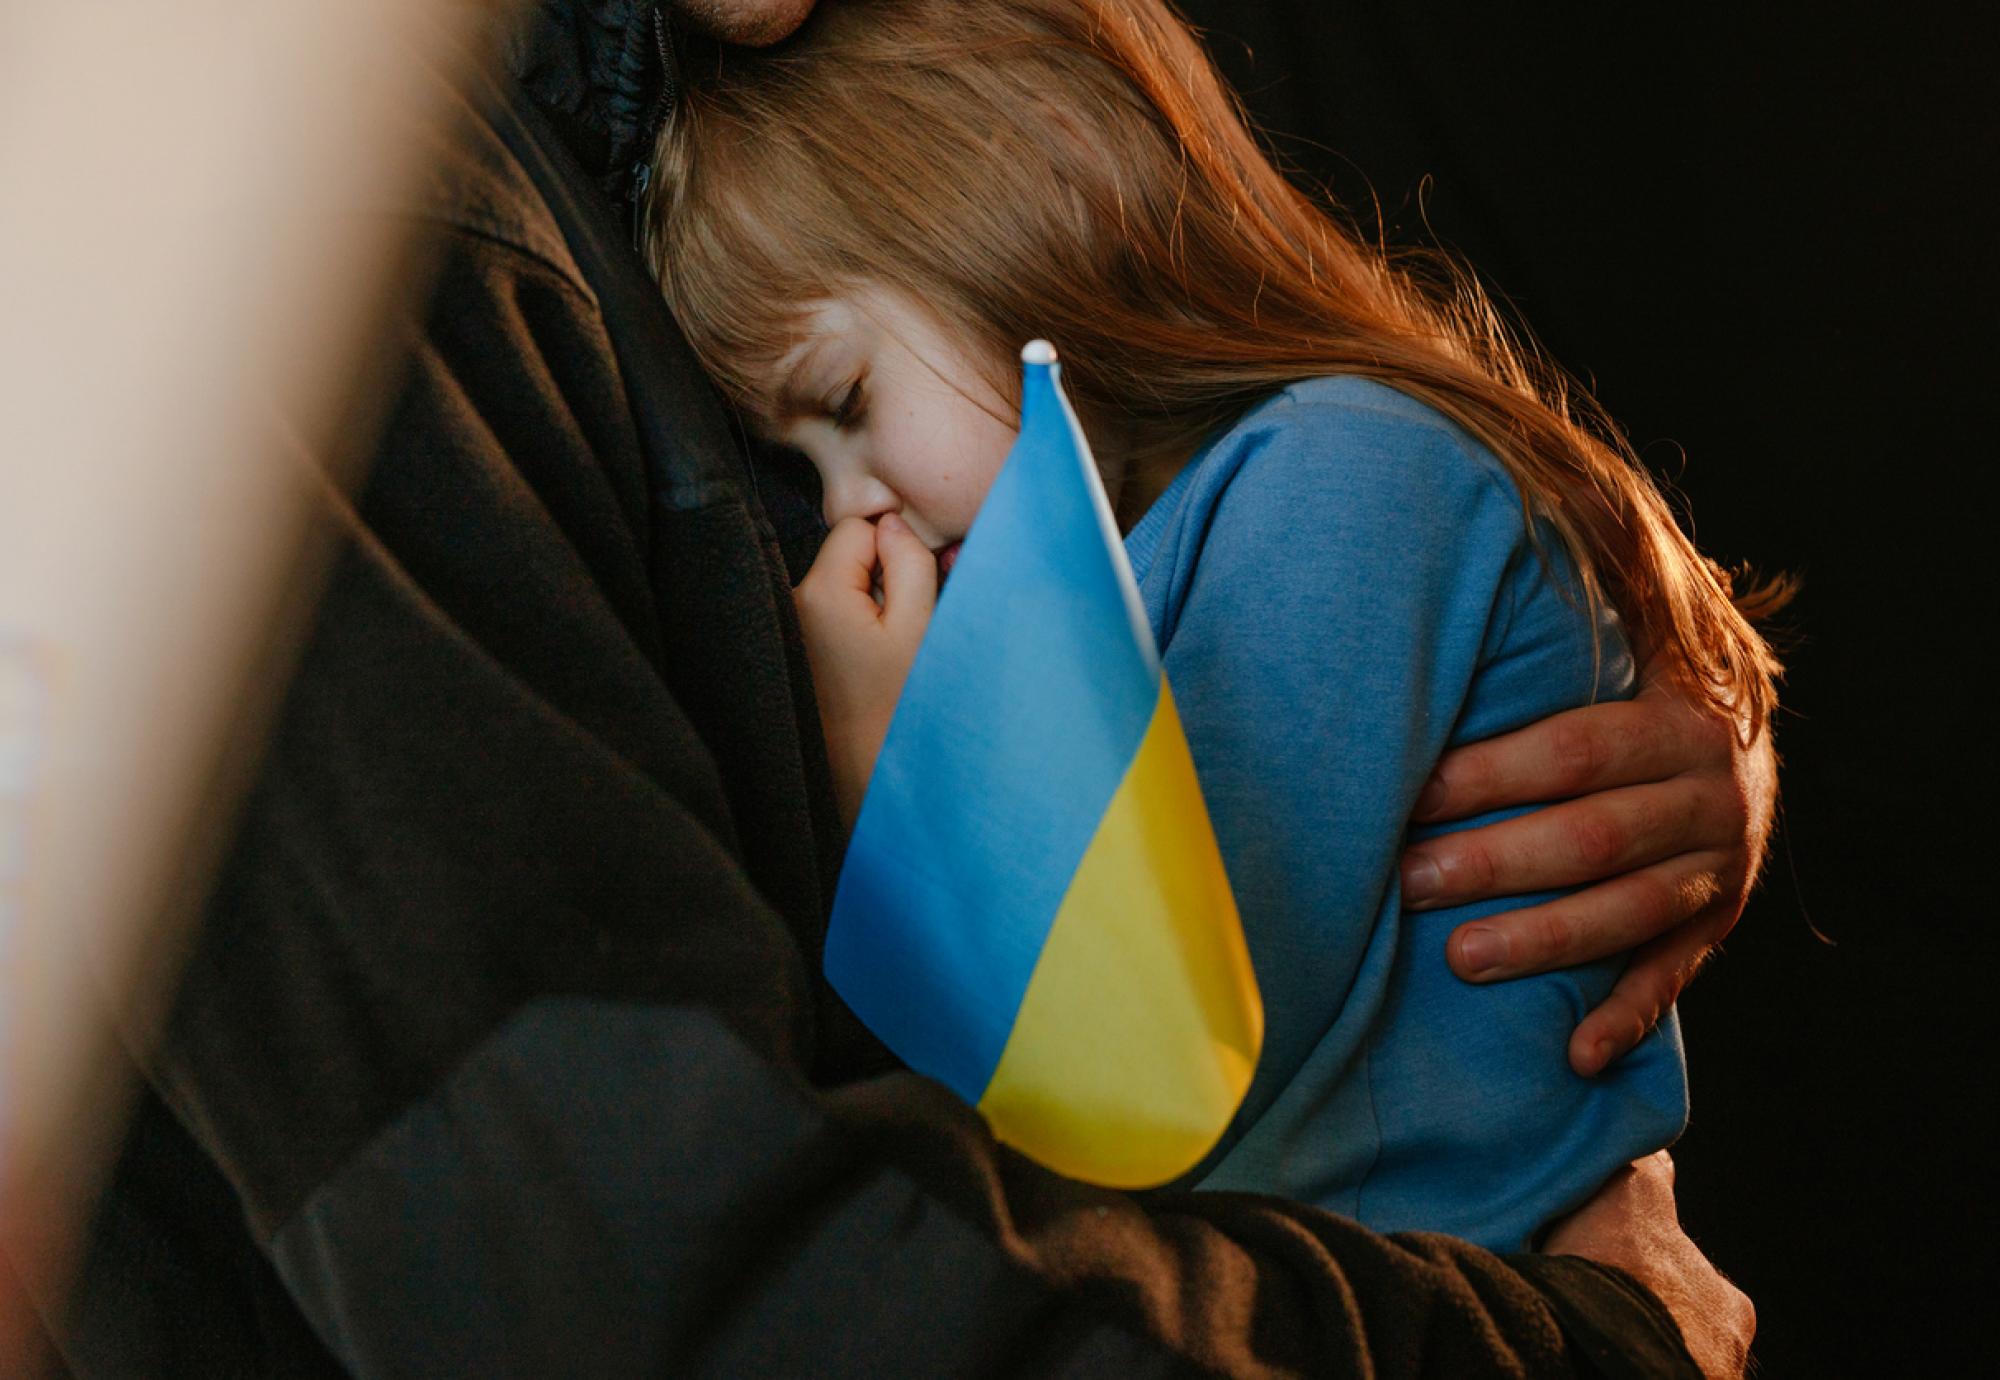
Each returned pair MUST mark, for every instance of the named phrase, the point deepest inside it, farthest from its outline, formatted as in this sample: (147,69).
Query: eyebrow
(786,400)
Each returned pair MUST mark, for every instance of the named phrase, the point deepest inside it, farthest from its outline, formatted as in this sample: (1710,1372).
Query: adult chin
(754,23)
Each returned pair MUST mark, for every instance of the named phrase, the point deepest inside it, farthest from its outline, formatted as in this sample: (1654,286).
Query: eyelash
(848,410)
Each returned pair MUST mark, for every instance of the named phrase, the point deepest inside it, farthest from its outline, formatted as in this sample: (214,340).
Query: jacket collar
(602,69)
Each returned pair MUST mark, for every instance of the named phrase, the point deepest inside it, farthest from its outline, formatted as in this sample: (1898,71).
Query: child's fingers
(846,562)
(909,574)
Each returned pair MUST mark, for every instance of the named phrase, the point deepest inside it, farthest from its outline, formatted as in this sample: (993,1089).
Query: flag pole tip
(1038,352)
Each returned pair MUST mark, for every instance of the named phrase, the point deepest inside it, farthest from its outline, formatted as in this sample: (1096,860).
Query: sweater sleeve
(1323,601)
(506,1058)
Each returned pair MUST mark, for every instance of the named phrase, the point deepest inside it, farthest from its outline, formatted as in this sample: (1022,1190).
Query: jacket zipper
(649,131)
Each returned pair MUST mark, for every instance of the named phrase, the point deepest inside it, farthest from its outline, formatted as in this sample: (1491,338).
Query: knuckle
(1656,905)
(1693,893)
(1650,992)
(1551,934)
(1626,1015)
(1651,817)
(1471,867)
(1578,751)
(1597,839)
(1637,1026)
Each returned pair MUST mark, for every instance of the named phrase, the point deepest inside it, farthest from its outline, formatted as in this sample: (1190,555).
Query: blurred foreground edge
(190,297)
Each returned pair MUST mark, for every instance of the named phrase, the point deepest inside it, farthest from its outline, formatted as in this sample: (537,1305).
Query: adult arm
(1632,1222)
(612,1190)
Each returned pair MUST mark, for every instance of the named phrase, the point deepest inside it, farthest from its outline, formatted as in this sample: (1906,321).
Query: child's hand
(860,650)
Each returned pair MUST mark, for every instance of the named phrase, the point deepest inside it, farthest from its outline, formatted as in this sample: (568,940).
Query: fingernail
(1421,878)
(1481,951)
(1601,1053)
(1431,796)
(893,523)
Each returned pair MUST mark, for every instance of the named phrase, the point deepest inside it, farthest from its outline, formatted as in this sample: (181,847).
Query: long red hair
(1076,170)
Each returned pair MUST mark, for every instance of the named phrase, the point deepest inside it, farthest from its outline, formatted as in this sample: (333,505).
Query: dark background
(1766,238)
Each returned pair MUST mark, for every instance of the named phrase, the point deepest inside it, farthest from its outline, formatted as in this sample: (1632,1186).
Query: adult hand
(861,649)
(1632,1223)
(1669,820)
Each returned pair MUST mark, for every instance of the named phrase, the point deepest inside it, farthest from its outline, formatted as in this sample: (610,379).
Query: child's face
(894,414)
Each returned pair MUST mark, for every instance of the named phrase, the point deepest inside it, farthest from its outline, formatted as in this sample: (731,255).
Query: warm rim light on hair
(1074,169)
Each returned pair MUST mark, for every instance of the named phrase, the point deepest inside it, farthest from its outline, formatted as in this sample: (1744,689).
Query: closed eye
(848,409)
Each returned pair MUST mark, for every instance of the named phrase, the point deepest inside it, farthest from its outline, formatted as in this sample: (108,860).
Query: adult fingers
(1571,844)
(909,575)
(1651,983)
(1619,743)
(1623,913)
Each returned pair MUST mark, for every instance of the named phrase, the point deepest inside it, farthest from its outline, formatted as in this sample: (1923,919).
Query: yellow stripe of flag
(1141,1025)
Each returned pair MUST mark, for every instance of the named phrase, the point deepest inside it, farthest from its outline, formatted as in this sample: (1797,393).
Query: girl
(1366,524)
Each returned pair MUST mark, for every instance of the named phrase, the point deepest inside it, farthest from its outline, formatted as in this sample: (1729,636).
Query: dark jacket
(504,1049)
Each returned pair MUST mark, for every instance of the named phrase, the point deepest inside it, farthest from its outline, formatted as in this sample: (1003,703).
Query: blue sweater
(1343,587)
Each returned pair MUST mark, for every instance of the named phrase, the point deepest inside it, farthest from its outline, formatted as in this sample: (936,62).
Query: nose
(856,493)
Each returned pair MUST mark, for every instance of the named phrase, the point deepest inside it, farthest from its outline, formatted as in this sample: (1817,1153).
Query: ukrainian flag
(1033,909)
